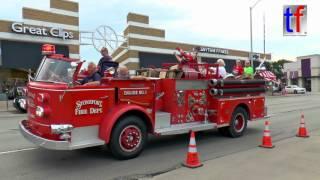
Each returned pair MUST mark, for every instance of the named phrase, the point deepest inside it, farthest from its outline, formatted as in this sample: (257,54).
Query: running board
(185,128)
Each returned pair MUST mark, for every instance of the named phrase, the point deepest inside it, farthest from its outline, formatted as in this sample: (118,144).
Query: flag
(268,75)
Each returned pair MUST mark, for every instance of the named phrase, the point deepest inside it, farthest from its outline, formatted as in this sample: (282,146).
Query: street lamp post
(251,48)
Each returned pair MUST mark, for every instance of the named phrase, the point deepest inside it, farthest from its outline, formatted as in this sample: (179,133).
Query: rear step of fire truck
(164,127)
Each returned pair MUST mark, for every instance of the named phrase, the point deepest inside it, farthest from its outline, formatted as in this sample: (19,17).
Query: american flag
(268,75)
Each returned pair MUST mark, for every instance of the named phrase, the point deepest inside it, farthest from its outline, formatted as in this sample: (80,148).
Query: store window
(16,59)
(24,55)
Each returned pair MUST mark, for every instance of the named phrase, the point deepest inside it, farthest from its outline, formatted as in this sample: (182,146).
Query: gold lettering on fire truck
(135,92)
(96,109)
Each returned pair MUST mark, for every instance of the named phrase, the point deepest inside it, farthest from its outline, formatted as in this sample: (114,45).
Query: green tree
(277,67)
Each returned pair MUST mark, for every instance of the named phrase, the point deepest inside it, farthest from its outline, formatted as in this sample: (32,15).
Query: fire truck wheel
(128,137)
(238,122)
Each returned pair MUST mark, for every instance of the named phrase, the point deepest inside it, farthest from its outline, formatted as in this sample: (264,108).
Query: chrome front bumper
(42,142)
(81,138)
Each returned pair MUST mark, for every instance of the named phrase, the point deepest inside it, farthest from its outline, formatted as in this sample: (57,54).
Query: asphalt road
(21,160)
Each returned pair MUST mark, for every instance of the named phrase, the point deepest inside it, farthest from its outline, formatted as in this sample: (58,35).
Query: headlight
(39,111)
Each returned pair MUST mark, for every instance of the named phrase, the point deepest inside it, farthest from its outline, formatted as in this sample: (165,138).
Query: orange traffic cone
(302,132)
(192,160)
(266,140)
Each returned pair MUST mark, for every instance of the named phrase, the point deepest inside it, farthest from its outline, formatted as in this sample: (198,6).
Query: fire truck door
(88,106)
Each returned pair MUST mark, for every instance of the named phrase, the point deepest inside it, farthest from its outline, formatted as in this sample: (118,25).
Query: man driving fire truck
(93,76)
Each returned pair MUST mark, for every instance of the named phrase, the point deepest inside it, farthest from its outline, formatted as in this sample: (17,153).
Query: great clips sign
(41,31)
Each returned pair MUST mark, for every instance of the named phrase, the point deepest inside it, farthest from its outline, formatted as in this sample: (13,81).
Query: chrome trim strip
(185,128)
(238,98)
(134,88)
(223,125)
(72,90)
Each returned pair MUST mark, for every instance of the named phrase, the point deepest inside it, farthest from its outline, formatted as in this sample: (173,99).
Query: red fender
(112,117)
(248,107)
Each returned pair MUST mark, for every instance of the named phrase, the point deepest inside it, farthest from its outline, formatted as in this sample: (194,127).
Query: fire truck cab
(63,115)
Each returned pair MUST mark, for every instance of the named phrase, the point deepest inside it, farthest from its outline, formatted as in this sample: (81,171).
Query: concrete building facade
(147,46)
(305,72)
(21,41)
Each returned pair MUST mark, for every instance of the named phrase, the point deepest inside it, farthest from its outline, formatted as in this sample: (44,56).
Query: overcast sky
(218,23)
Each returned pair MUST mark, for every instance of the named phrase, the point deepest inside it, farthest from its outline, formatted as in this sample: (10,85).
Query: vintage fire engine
(63,115)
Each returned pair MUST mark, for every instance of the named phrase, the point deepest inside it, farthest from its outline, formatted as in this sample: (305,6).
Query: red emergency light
(48,49)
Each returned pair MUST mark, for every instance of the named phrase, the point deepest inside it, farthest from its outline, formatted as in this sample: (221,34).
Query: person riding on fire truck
(222,69)
(185,58)
(103,64)
(187,62)
(93,76)
(123,73)
(248,70)
(237,69)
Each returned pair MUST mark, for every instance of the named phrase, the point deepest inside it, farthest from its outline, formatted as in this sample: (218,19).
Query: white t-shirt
(222,71)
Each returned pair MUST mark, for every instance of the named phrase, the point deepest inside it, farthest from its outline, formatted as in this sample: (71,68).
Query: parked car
(295,89)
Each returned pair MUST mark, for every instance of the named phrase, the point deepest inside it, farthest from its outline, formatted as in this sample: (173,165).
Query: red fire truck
(63,115)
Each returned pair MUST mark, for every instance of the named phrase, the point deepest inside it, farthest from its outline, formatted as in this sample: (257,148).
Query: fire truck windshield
(55,71)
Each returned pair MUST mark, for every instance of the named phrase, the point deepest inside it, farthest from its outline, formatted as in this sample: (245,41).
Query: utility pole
(251,48)
(264,35)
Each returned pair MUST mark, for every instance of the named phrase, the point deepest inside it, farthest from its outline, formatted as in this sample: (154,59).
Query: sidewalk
(293,158)
(10,111)
(6,107)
